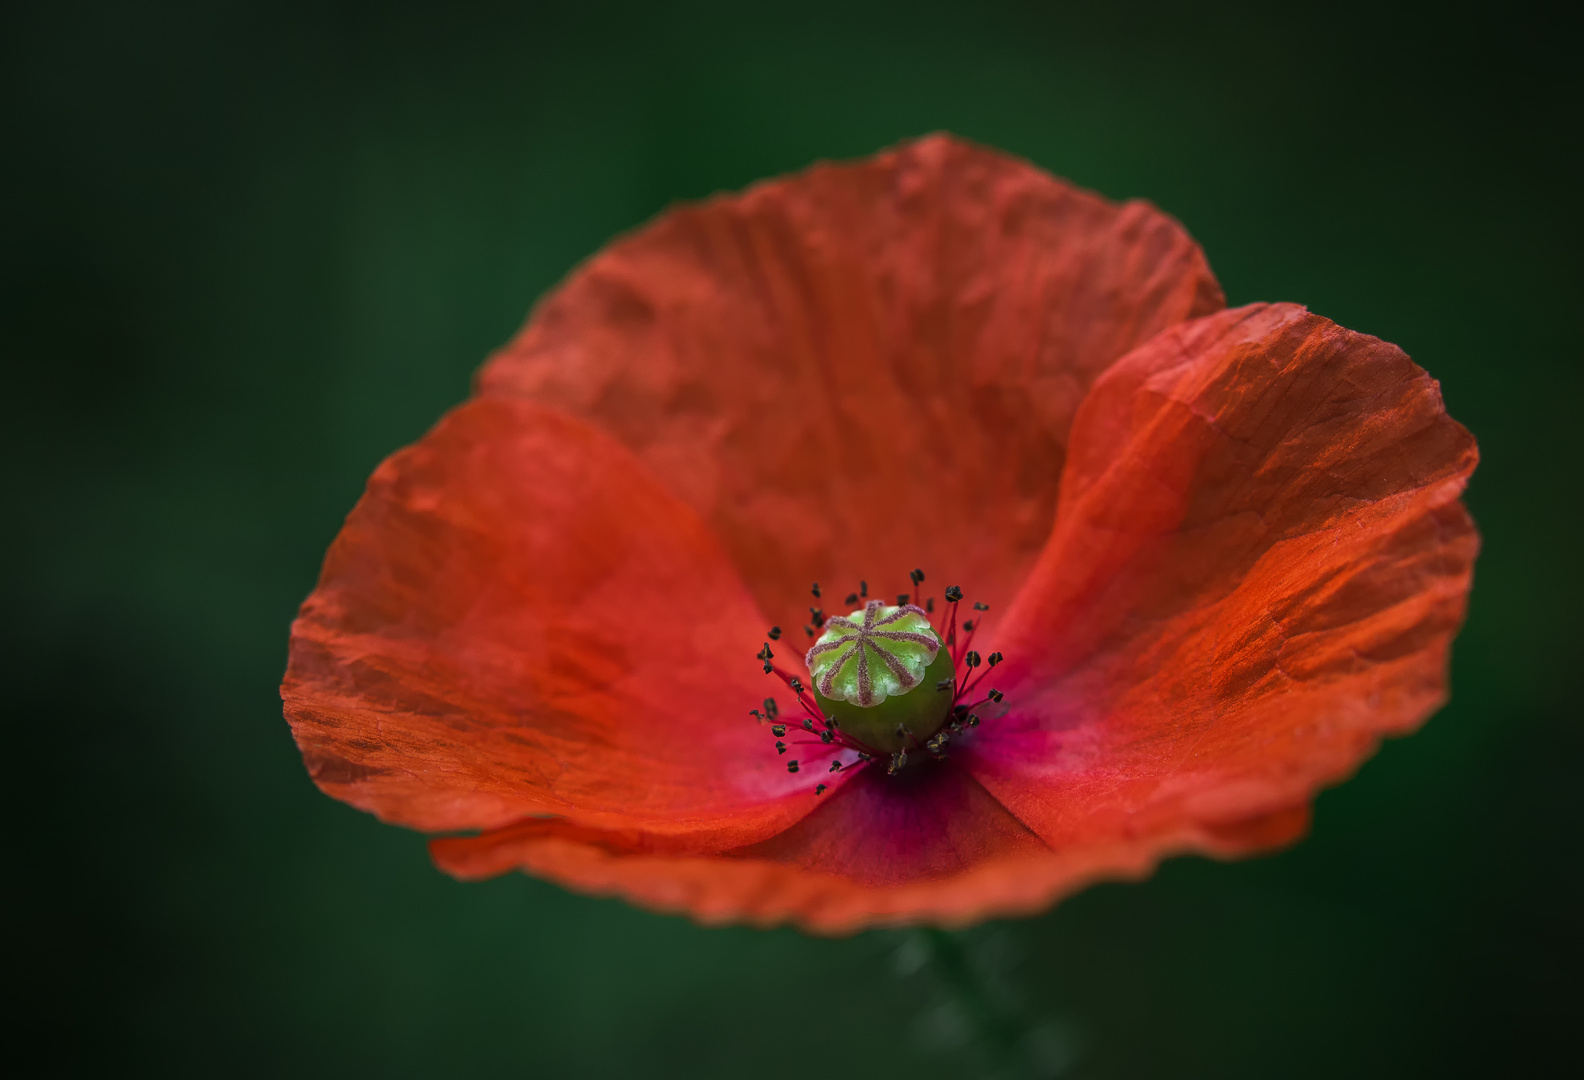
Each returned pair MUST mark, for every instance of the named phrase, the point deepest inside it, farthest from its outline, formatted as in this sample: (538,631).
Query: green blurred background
(249,250)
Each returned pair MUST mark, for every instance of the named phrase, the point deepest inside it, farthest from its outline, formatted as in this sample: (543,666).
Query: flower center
(888,683)
(882,675)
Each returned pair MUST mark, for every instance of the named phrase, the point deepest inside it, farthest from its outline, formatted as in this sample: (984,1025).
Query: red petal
(865,367)
(932,846)
(1258,566)
(517,620)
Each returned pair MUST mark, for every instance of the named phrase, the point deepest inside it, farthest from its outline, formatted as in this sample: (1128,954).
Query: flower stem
(1008,1039)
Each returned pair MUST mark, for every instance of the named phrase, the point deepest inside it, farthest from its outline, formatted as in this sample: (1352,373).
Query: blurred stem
(998,1025)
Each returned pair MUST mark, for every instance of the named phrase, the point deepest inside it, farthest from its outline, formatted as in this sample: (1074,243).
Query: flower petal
(882,851)
(516,619)
(1258,566)
(865,367)
(932,845)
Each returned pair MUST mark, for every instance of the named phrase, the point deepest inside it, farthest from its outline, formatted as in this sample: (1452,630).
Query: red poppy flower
(1222,553)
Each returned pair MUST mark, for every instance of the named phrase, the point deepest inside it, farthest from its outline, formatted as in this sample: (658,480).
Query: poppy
(1197,562)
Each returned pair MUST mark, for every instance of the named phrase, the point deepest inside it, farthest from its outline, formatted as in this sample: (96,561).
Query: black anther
(852,598)
(995,695)
(973,721)
(819,789)
(791,766)
(972,659)
(778,730)
(808,725)
(953,593)
(816,590)
(981,607)
(996,658)
(767,667)
(797,685)
(775,633)
(826,736)
(929,605)
(902,598)
(764,653)
(968,625)
(917,577)
(809,630)
(780,747)
(756,714)
(835,766)
(863,589)
(770,707)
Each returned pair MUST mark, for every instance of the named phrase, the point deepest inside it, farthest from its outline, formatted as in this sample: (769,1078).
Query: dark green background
(249,250)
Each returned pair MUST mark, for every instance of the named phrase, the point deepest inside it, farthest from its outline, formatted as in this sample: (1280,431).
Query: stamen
(774,633)
(948,627)
(792,766)
(969,626)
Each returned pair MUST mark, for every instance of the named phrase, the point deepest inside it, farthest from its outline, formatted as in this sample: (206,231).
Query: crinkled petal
(1257,569)
(941,851)
(865,367)
(932,847)
(517,619)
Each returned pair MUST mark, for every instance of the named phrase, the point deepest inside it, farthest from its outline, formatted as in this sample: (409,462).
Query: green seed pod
(882,675)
